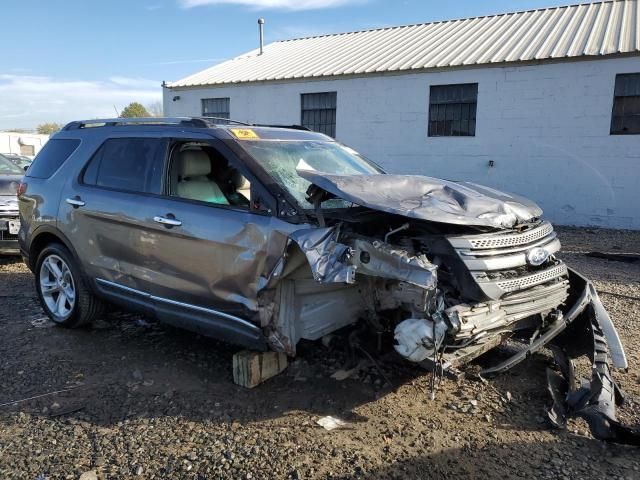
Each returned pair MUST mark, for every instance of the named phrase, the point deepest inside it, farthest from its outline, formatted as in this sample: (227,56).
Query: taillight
(22,189)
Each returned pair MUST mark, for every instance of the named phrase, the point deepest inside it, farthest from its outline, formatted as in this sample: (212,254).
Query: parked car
(19,160)
(10,176)
(264,236)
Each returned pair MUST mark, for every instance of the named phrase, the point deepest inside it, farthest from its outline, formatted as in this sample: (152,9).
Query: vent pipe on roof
(261,29)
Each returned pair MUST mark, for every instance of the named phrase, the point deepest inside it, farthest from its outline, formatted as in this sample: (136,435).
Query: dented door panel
(218,257)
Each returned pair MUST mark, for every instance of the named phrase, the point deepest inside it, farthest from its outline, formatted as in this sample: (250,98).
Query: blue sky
(79,58)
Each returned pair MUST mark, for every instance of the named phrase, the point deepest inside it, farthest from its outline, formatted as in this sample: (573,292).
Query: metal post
(261,29)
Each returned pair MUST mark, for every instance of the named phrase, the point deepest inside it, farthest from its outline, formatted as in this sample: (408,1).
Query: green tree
(48,128)
(134,110)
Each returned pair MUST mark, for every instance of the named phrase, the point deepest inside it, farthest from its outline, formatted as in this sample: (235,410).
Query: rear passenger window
(54,153)
(131,164)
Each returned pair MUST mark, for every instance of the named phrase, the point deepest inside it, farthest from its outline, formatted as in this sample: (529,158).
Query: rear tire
(62,289)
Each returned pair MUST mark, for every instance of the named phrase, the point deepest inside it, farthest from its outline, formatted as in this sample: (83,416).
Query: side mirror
(26,167)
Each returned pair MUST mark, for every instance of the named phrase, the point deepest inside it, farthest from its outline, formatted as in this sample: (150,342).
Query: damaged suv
(264,236)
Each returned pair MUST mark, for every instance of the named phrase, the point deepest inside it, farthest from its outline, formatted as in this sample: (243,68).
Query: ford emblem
(537,256)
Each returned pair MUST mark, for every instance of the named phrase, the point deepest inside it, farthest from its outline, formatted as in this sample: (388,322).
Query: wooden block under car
(252,368)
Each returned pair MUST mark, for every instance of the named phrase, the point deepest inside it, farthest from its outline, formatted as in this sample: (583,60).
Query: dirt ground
(137,399)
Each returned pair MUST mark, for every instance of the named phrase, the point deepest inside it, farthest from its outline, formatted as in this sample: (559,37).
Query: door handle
(167,221)
(75,202)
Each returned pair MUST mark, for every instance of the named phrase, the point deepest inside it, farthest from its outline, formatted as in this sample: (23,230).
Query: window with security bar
(452,110)
(216,107)
(319,112)
(625,118)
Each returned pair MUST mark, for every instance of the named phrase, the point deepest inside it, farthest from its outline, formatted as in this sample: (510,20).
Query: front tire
(62,290)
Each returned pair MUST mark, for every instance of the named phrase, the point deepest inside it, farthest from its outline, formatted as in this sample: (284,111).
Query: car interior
(199,172)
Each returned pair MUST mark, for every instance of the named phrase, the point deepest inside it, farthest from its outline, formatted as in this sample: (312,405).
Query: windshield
(7,167)
(281,158)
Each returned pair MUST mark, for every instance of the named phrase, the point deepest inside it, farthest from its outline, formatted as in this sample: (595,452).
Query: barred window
(216,107)
(625,119)
(452,110)
(319,112)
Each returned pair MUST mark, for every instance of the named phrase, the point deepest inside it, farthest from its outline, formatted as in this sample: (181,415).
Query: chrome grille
(528,281)
(503,240)
(4,235)
(498,262)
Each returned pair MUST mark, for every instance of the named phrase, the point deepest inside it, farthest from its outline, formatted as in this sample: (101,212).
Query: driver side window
(199,172)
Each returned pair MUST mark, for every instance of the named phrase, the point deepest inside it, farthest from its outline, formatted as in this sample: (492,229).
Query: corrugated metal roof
(591,29)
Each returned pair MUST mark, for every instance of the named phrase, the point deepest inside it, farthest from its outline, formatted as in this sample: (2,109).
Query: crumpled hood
(427,198)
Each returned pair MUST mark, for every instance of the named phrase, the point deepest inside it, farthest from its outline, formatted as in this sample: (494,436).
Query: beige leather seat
(244,188)
(193,182)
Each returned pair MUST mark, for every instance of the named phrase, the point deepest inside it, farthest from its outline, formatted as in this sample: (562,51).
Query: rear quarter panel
(39,205)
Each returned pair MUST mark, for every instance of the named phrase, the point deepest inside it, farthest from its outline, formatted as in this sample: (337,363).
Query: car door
(210,256)
(108,217)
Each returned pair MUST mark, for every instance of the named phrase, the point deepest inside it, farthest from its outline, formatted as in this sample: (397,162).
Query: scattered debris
(14,402)
(343,374)
(41,322)
(252,368)
(90,475)
(615,257)
(66,411)
(331,423)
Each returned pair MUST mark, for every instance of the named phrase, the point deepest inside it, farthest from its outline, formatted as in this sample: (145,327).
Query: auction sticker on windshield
(244,134)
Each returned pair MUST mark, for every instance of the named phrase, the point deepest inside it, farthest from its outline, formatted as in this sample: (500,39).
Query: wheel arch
(46,235)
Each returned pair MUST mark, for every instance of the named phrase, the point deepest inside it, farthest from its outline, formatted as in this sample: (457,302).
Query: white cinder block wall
(546,127)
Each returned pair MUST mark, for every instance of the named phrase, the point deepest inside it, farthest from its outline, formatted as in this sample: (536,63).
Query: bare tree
(155,109)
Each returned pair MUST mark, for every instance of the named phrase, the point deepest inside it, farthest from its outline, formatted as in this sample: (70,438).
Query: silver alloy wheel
(57,286)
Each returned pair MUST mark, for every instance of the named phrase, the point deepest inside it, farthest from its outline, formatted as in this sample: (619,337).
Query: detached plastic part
(585,329)
(416,339)
(595,400)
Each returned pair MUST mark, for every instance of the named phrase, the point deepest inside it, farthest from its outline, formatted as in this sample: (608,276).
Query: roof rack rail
(224,120)
(112,122)
(198,122)
(292,127)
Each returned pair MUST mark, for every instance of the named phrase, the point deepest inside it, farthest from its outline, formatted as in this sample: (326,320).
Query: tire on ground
(87,306)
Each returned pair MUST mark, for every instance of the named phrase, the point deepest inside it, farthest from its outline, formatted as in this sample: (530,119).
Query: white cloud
(28,100)
(275,4)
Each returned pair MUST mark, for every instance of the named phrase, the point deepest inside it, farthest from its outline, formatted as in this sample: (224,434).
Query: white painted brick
(545,126)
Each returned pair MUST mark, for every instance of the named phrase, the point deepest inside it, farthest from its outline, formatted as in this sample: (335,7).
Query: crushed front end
(441,271)
(448,298)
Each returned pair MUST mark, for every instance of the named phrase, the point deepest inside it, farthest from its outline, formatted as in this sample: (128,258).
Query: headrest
(238,181)
(194,163)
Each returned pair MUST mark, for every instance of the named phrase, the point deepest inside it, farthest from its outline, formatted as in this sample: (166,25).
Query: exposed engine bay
(447,294)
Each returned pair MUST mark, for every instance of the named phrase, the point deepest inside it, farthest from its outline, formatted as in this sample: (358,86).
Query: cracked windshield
(281,159)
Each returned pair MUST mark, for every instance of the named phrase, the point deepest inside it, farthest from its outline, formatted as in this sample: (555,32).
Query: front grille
(4,229)
(512,239)
(498,262)
(7,236)
(533,279)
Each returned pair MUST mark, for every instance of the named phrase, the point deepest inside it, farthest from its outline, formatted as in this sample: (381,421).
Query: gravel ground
(136,399)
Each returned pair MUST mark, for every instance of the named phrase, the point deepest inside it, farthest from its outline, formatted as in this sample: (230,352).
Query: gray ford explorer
(264,236)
